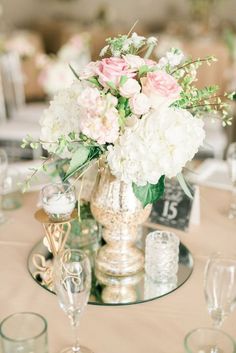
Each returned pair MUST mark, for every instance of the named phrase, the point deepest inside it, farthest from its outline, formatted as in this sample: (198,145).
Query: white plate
(213,173)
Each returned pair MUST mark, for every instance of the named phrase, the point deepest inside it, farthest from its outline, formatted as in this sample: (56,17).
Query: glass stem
(232,211)
(76,345)
(1,209)
(233,195)
(217,323)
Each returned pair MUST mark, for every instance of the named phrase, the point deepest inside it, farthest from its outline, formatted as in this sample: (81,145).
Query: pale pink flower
(101,128)
(139,104)
(134,61)
(54,77)
(89,70)
(130,88)
(161,88)
(150,63)
(112,69)
(89,98)
(77,41)
(99,117)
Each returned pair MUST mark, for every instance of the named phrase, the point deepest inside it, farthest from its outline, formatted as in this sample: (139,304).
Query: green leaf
(123,80)
(143,70)
(111,85)
(94,81)
(78,159)
(184,185)
(149,193)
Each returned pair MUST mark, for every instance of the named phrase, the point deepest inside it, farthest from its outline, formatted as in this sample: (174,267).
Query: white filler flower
(61,118)
(159,144)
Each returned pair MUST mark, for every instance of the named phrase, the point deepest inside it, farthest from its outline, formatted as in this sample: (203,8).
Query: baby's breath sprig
(128,44)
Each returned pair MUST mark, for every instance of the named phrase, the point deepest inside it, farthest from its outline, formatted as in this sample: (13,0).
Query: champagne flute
(220,287)
(72,283)
(231,160)
(3,170)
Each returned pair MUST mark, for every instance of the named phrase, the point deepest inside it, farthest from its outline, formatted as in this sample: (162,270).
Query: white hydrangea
(159,144)
(55,77)
(61,118)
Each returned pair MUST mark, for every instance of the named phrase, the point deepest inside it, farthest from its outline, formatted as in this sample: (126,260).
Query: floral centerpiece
(20,44)
(54,72)
(142,120)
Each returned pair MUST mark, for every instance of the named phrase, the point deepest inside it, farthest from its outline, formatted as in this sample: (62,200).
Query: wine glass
(220,287)
(231,160)
(208,340)
(3,170)
(72,282)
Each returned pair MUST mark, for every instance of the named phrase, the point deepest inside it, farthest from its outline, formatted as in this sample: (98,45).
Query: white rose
(139,104)
(130,88)
(134,61)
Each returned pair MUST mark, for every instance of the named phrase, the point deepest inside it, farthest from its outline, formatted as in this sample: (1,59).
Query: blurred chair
(24,122)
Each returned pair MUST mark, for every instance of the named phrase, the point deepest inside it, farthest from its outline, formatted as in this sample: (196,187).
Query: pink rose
(111,70)
(161,88)
(130,88)
(139,104)
(89,70)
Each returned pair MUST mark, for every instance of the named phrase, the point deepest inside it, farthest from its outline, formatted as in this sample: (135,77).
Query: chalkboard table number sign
(176,209)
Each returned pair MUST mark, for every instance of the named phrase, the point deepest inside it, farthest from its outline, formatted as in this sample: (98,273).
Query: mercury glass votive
(58,201)
(161,256)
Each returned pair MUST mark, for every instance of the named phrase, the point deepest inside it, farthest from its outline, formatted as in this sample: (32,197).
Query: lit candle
(59,205)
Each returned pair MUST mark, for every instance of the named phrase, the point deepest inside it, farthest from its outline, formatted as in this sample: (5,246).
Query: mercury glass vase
(116,208)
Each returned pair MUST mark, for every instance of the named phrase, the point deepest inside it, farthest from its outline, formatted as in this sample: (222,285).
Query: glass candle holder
(12,195)
(209,340)
(24,333)
(161,256)
(58,201)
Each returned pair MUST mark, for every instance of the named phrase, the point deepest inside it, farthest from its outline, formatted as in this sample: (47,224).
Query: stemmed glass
(231,160)
(72,283)
(220,287)
(209,340)
(3,170)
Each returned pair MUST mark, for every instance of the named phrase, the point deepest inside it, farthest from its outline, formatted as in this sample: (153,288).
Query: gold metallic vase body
(114,205)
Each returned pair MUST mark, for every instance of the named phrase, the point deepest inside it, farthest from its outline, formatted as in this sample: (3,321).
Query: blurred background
(39,38)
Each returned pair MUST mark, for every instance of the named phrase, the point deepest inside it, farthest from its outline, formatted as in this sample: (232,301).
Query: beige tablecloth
(154,327)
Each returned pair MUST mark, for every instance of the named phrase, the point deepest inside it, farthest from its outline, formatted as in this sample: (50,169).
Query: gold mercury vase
(116,208)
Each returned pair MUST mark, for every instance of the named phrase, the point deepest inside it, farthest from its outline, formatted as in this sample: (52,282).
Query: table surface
(153,327)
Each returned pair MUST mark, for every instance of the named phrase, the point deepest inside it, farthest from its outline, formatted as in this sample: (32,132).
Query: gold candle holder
(56,235)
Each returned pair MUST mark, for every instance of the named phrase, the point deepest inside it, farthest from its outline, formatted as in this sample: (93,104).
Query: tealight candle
(58,201)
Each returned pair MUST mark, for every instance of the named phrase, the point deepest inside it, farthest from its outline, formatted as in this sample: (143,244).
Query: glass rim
(68,185)
(212,329)
(23,313)
(223,255)
(174,238)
